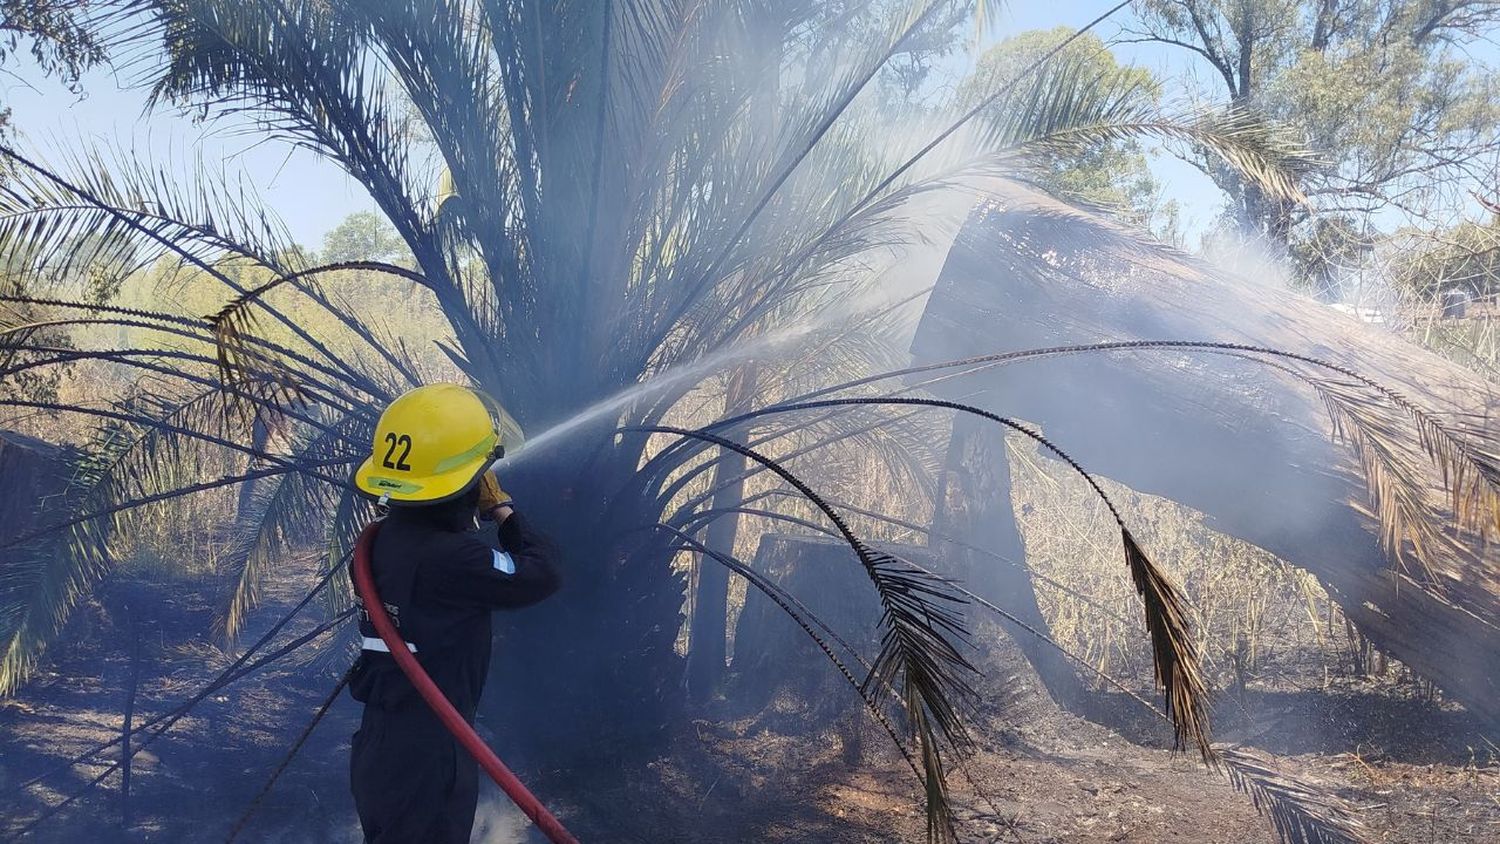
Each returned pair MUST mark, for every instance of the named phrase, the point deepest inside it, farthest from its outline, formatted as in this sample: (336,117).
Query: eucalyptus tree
(607,202)
(1392,95)
(60,35)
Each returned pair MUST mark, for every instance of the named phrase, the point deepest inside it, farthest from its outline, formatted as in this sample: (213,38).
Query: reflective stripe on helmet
(476,451)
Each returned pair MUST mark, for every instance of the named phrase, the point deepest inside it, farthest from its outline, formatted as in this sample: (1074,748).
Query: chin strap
(364,584)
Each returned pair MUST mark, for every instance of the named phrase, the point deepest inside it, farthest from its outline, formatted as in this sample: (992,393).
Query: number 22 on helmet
(431,444)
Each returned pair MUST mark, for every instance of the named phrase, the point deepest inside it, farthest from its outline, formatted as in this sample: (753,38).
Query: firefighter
(439,581)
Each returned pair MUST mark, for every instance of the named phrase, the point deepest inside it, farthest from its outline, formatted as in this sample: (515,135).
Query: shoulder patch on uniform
(503,562)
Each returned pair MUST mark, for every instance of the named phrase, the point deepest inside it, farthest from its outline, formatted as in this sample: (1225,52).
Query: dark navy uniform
(439,581)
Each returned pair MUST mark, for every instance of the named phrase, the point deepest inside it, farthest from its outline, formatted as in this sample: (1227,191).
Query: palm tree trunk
(707,637)
(260,436)
(976,507)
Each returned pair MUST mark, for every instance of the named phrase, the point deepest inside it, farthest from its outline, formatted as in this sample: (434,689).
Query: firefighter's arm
(521,572)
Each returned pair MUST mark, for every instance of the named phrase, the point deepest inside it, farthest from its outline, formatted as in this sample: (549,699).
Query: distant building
(1455,303)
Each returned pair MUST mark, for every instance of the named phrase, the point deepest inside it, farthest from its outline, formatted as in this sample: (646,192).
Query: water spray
(655,385)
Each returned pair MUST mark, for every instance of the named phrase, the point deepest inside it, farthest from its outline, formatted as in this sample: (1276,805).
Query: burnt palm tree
(609,203)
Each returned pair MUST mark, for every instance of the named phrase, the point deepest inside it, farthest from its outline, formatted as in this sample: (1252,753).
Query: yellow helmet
(431,445)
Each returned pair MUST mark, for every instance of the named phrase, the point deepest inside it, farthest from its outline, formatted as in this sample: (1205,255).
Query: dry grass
(1472,341)
(1250,610)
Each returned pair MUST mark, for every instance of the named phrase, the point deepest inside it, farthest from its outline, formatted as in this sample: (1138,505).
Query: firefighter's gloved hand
(491,495)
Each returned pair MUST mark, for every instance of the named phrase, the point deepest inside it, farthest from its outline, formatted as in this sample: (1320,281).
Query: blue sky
(310,194)
(313,196)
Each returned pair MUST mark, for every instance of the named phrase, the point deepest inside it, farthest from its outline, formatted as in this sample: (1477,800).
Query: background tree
(1463,259)
(59,34)
(364,236)
(1111,173)
(1405,116)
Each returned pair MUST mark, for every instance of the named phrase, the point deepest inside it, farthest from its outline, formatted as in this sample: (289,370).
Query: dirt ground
(1413,769)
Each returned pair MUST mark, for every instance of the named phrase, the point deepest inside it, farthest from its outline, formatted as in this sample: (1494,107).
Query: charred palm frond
(884,518)
(169,364)
(805,619)
(863,342)
(973,597)
(858,432)
(1301,813)
(158,726)
(1179,670)
(1402,505)
(918,656)
(349,516)
(1398,483)
(46,213)
(234,324)
(241,667)
(1465,457)
(241,354)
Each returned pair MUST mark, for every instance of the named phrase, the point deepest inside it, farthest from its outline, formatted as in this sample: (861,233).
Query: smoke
(498,821)
(1249,259)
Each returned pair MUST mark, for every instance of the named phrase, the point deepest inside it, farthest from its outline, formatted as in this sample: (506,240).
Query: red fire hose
(364,584)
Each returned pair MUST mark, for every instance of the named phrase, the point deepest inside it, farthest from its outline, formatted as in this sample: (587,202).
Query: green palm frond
(44,579)
(50,204)
(1072,105)
(210,216)
(282,517)
(1260,150)
(303,66)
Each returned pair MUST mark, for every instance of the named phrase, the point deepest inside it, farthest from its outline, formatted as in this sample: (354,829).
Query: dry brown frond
(1179,671)
(1413,512)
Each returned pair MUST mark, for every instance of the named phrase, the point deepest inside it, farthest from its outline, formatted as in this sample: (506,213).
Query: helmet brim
(377,482)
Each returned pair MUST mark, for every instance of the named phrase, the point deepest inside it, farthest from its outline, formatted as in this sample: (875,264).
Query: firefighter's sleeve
(521,572)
